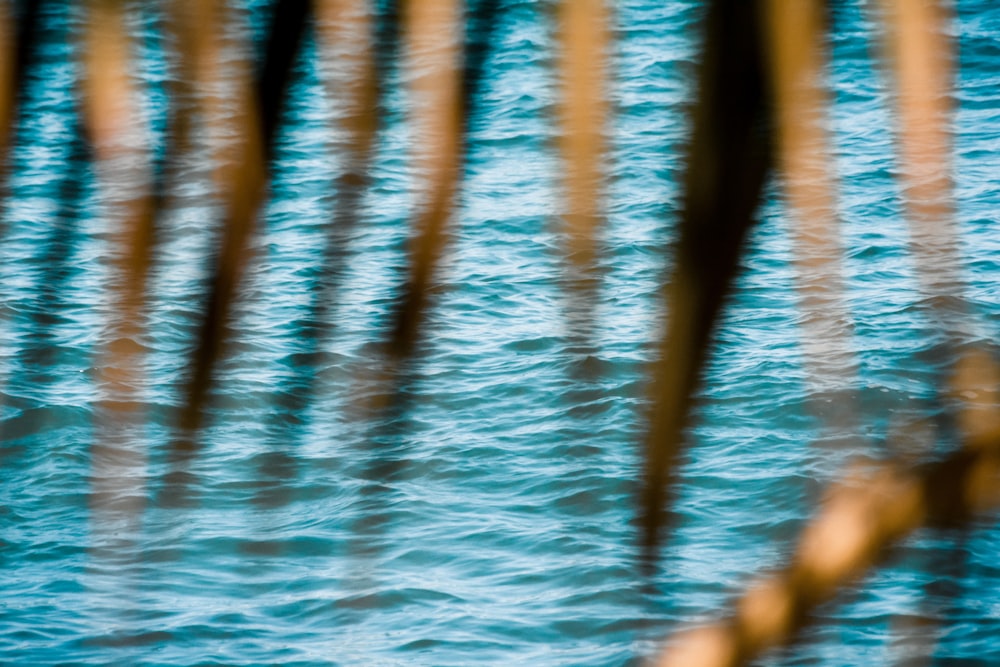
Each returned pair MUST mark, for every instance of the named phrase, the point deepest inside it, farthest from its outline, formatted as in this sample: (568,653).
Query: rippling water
(495,525)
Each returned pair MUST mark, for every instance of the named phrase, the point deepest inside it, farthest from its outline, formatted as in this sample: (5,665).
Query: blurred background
(430,333)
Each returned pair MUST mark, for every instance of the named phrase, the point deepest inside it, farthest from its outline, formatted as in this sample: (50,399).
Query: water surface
(495,525)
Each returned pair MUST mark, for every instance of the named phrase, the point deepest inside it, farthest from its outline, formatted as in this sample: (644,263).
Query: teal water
(496,525)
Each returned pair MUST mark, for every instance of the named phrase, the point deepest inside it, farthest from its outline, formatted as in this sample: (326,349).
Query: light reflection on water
(496,522)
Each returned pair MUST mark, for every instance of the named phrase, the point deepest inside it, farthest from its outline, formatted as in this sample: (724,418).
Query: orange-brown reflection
(432,36)
(872,508)
(920,61)
(252,115)
(346,39)
(919,55)
(582,69)
(345,30)
(196,26)
(111,121)
(241,179)
(974,390)
(795,31)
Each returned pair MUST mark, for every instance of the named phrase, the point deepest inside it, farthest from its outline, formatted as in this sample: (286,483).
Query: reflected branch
(865,514)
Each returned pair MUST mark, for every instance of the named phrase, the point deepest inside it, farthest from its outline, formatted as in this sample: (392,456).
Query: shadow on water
(244,196)
(24,32)
(34,367)
(375,42)
(395,383)
(22,49)
(729,157)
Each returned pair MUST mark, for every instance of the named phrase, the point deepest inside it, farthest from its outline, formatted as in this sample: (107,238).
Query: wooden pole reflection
(875,506)
(582,68)
(243,183)
(795,36)
(919,54)
(118,467)
(432,31)
(727,161)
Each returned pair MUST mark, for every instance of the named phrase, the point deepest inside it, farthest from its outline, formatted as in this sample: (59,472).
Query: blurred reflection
(582,68)
(347,32)
(19,39)
(36,360)
(876,504)
(759,104)
(919,54)
(118,458)
(795,37)
(243,184)
(728,158)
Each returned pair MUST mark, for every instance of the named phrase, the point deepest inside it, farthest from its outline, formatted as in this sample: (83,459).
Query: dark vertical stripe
(727,161)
